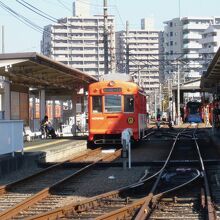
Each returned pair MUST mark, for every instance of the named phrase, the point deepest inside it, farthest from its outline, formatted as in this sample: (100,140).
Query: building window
(171,24)
(171,34)
(171,43)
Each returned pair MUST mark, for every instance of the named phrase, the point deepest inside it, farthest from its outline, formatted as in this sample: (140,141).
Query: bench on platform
(29,135)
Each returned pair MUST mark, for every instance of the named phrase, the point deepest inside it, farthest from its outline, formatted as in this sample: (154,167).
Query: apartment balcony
(59,31)
(90,59)
(76,52)
(209,50)
(210,39)
(151,52)
(192,46)
(139,41)
(60,52)
(192,36)
(91,52)
(147,47)
(191,56)
(193,26)
(88,66)
(54,44)
(61,59)
(78,58)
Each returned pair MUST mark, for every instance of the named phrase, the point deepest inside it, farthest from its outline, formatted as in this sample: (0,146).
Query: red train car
(193,112)
(115,105)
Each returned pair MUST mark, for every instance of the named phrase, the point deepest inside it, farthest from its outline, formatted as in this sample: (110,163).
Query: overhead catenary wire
(21,18)
(36,10)
(64,6)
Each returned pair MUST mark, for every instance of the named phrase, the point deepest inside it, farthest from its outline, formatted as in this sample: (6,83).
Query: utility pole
(178,94)
(105,36)
(127,47)
(160,94)
(155,104)
(3,39)
(112,54)
(170,98)
(139,78)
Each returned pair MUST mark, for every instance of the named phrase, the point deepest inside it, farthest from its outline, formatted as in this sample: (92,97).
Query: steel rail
(5,188)
(94,201)
(11,212)
(150,133)
(126,211)
(144,211)
(210,207)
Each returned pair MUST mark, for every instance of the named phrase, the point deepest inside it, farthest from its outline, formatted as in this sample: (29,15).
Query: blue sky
(20,38)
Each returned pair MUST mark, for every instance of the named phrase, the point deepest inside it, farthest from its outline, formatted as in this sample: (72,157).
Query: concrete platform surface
(56,149)
(41,150)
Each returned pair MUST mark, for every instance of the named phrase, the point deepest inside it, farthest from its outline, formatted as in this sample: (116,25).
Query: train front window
(113,103)
(96,104)
(128,103)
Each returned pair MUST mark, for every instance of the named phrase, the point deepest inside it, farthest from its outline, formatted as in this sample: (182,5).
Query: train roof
(115,84)
(116,76)
(193,103)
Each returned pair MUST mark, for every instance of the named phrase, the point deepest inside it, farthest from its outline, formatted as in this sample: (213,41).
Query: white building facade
(182,41)
(210,43)
(78,41)
(143,55)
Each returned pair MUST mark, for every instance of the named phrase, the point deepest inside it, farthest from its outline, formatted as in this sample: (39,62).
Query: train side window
(97,104)
(113,103)
(128,103)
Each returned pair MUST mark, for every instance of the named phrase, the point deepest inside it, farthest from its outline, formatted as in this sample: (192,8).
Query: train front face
(194,112)
(111,110)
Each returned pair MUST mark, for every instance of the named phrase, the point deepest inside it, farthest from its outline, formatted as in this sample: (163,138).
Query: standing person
(158,119)
(206,109)
(170,124)
(147,116)
(47,125)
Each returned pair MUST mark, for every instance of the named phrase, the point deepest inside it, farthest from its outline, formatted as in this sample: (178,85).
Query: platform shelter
(30,82)
(210,83)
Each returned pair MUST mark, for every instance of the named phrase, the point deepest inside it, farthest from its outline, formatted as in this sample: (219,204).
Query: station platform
(55,150)
(42,150)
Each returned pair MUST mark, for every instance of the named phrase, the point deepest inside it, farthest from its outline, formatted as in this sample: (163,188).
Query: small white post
(129,155)
(126,149)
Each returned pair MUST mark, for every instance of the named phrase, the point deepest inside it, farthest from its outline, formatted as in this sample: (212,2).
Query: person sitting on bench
(47,127)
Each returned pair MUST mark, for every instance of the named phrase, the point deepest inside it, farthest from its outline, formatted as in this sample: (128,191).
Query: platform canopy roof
(37,71)
(211,78)
(190,86)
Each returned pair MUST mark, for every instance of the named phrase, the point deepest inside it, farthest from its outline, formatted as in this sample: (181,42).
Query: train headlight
(111,83)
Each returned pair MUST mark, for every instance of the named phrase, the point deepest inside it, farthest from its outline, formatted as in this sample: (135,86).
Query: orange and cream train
(115,105)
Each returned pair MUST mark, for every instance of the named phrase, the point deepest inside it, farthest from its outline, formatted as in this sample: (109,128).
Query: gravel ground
(16,175)
(100,181)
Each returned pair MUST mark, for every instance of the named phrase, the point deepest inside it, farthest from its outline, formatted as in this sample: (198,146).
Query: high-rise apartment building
(143,54)
(78,41)
(182,42)
(210,43)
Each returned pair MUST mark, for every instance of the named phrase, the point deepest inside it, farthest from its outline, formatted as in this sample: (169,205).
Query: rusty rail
(11,212)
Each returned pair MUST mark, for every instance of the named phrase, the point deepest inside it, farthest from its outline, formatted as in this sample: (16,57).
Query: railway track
(22,194)
(177,193)
(113,205)
(170,193)
(194,203)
